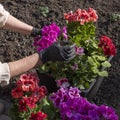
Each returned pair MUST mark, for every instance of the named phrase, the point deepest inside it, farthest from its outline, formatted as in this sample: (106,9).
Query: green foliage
(16,114)
(49,109)
(44,10)
(115,17)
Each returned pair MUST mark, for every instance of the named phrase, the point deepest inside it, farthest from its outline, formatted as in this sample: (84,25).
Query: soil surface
(14,46)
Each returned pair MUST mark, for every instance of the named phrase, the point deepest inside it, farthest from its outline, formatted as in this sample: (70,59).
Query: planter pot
(49,82)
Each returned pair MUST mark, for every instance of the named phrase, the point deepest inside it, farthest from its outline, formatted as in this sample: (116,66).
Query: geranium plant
(27,96)
(32,103)
(68,104)
(92,53)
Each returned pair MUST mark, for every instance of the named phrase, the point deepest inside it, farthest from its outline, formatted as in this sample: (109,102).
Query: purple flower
(50,35)
(74,107)
(63,83)
(65,33)
(56,28)
(93,115)
(75,66)
(74,93)
(107,113)
(58,97)
(45,30)
(79,50)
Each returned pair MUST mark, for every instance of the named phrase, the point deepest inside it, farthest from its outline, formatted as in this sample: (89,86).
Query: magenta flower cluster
(74,107)
(50,34)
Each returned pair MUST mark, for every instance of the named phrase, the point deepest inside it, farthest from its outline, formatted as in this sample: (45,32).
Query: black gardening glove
(35,32)
(56,52)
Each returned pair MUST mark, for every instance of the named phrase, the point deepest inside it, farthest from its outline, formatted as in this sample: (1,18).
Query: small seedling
(44,10)
(115,17)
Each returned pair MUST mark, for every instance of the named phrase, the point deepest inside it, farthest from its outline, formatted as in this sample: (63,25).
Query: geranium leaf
(103,74)
(106,64)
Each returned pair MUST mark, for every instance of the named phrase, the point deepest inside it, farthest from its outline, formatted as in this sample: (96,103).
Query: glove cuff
(35,32)
(43,56)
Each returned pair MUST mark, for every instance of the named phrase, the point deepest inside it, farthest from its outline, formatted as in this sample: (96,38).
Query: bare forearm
(24,65)
(16,25)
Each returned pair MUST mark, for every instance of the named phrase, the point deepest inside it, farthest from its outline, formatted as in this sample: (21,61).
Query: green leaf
(87,85)
(101,58)
(45,101)
(44,10)
(95,45)
(106,64)
(81,87)
(103,74)
(90,60)
(95,70)
(43,67)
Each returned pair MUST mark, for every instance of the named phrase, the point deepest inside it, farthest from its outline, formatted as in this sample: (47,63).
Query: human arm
(11,69)
(16,25)
(54,53)
(25,64)
(10,22)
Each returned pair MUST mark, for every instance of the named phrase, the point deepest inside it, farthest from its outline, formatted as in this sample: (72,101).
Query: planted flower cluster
(74,107)
(27,96)
(32,102)
(50,35)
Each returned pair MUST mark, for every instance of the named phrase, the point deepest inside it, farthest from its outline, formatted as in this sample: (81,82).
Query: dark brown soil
(14,46)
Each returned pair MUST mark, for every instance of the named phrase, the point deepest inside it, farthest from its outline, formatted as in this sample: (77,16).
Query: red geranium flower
(38,116)
(17,92)
(107,46)
(22,105)
(26,102)
(39,93)
(28,82)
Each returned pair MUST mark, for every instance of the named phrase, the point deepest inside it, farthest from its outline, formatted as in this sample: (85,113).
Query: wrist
(40,62)
(35,32)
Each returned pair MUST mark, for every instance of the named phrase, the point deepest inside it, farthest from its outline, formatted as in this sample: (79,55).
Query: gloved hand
(56,52)
(35,32)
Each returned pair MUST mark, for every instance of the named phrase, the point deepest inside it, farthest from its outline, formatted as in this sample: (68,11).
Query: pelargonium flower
(106,113)
(38,116)
(61,95)
(28,82)
(92,14)
(74,107)
(107,46)
(30,76)
(17,92)
(74,92)
(26,102)
(23,105)
(74,67)
(28,95)
(50,35)
(63,82)
(84,17)
(39,93)
(81,16)
(64,33)
(79,50)
(53,27)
